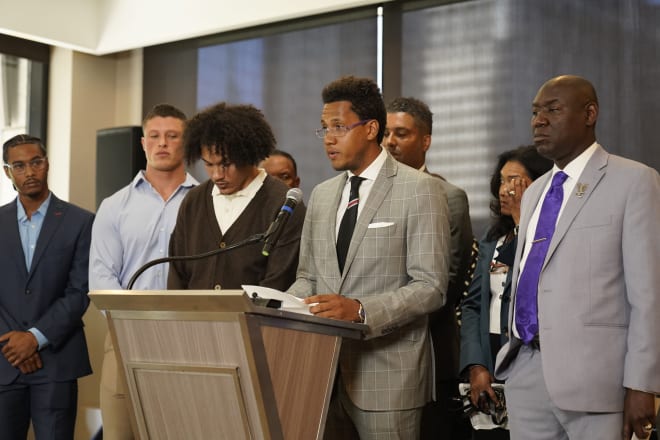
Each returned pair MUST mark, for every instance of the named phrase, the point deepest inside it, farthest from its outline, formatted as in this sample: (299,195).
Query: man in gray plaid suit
(395,271)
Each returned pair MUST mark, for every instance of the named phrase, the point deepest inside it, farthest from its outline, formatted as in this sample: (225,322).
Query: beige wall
(87,93)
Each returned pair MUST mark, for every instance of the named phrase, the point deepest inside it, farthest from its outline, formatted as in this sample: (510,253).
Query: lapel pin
(580,189)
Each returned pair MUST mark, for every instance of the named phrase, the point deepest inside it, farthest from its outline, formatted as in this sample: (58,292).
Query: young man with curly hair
(238,201)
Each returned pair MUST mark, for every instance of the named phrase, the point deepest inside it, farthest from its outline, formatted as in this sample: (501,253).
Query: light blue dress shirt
(29,229)
(131,227)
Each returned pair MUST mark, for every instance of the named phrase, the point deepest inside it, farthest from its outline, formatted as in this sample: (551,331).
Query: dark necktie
(527,322)
(348,222)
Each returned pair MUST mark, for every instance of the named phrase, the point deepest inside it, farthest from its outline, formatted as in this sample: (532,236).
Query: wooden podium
(212,365)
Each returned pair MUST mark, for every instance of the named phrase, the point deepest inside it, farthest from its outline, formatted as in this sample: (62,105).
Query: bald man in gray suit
(395,271)
(593,367)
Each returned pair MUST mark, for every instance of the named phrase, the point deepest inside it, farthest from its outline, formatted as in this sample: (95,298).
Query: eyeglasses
(338,130)
(18,168)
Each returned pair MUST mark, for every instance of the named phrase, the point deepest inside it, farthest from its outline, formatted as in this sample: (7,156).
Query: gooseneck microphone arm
(252,239)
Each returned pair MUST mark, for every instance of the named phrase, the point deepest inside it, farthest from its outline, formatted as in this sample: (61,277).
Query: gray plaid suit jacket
(397,266)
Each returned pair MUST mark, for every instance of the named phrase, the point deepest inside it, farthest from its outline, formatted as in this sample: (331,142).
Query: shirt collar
(249,191)
(575,167)
(43,208)
(371,172)
(140,178)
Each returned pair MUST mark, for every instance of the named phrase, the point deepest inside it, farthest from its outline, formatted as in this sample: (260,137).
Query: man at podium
(238,201)
(374,249)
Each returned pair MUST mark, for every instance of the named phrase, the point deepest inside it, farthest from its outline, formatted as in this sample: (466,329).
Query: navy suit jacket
(52,294)
(475,328)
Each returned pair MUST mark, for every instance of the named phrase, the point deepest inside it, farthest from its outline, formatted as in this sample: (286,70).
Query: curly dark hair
(237,132)
(163,111)
(419,111)
(364,96)
(535,165)
(21,139)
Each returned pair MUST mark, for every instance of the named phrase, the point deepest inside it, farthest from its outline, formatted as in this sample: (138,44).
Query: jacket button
(222,245)
(28,291)
(217,287)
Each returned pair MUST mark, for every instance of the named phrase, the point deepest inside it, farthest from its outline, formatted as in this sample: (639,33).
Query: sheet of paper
(289,302)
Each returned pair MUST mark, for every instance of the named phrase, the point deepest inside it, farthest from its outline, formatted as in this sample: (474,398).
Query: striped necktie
(348,222)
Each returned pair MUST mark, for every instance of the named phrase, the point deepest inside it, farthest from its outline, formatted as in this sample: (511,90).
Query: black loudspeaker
(119,156)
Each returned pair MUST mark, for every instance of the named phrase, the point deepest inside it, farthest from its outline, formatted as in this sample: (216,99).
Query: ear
(592,114)
(373,127)
(144,148)
(7,173)
(426,142)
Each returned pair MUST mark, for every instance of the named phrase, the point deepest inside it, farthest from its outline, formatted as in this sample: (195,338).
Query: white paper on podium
(290,303)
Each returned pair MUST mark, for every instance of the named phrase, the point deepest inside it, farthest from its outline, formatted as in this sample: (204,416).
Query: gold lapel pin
(580,189)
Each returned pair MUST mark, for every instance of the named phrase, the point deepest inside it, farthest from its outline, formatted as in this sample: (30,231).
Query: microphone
(293,197)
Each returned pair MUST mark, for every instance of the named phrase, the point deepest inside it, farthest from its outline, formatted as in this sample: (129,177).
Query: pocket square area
(380,225)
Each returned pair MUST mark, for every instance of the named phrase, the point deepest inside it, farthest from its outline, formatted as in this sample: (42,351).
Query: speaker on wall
(119,156)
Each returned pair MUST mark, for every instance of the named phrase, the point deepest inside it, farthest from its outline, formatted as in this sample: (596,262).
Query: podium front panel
(223,414)
(187,352)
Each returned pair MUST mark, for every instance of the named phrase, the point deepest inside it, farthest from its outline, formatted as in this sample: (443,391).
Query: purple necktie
(527,322)
(348,222)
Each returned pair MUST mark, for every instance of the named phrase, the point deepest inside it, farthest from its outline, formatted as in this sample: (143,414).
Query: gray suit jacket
(443,323)
(599,290)
(397,265)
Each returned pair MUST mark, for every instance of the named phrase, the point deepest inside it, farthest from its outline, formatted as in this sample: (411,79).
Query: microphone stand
(253,239)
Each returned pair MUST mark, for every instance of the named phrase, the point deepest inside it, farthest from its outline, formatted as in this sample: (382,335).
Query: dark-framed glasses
(17,168)
(338,130)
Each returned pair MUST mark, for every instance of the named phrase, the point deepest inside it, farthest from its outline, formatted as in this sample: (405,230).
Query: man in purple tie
(584,357)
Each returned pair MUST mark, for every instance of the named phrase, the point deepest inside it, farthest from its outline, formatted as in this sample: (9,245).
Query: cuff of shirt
(41,339)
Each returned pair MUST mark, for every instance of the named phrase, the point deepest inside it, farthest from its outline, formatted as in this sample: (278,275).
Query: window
(23,77)
(478,64)
(282,72)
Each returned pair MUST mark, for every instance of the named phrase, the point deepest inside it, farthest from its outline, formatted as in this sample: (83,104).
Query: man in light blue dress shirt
(132,227)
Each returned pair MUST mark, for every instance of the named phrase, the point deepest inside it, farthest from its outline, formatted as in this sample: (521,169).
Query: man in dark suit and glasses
(43,296)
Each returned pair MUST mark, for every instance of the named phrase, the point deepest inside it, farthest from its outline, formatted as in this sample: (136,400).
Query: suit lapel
(9,226)
(589,179)
(532,197)
(379,190)
(52,221)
